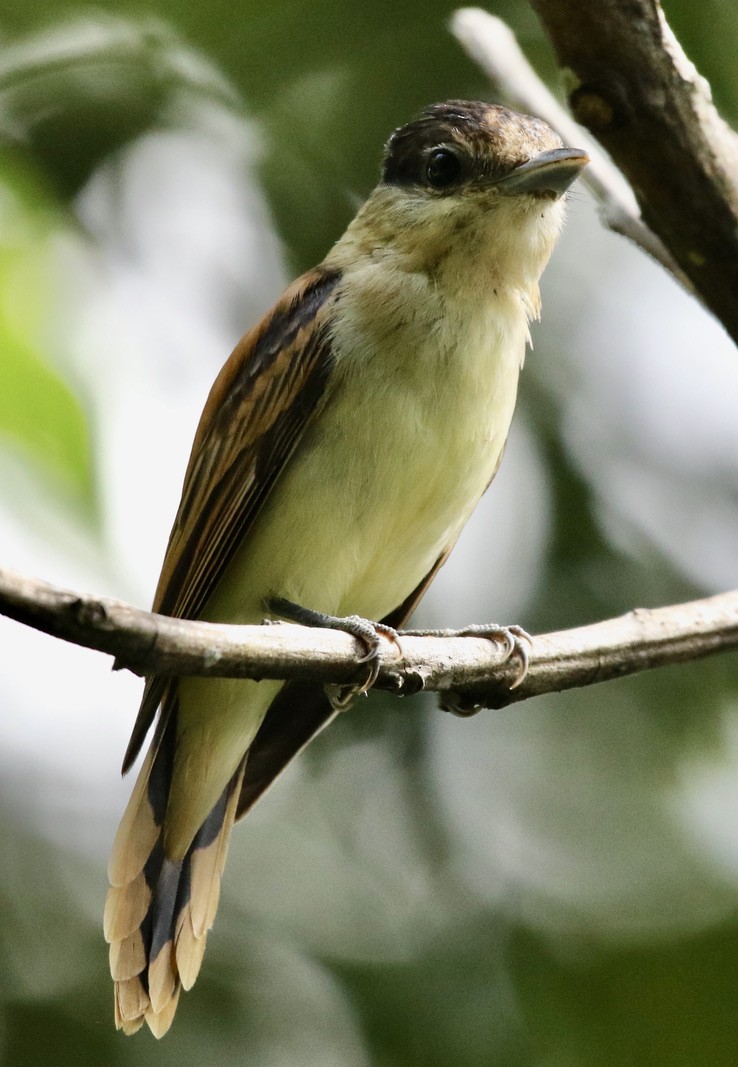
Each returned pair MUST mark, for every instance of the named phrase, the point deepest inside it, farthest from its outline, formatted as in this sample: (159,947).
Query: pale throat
(471,250)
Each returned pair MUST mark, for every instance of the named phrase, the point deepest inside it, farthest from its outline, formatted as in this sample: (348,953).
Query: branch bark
(630,83)
(469,670)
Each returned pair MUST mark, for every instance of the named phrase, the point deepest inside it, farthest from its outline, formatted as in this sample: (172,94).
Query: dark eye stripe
(490,142)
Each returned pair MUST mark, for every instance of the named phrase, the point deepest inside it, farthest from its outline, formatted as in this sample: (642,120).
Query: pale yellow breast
(422,398)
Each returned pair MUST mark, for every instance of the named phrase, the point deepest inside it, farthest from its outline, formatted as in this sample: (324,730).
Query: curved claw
(370,635)
(517,643)
(522,651)
(364,630)
(341,697)
(453,703)
(372,656)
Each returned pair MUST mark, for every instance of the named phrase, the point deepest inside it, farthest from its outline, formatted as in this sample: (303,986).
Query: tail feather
(127,957)
(159,911)
(125,908)
(163,980)
(159,1022)
(209,854)
(131,1004)
(190,949)
(137,833)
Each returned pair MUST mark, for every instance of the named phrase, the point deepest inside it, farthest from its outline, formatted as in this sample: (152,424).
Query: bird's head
(471,186)
(467,149)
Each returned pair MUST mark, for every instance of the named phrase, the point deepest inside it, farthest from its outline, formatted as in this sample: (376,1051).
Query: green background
(552,885)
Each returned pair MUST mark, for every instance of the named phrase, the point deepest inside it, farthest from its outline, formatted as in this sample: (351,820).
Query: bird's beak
(550,172)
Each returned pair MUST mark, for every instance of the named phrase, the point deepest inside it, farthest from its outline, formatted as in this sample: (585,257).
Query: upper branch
(631,84)
(469,668)
(492,45)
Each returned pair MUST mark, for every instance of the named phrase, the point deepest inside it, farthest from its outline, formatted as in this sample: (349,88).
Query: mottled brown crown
(488,140)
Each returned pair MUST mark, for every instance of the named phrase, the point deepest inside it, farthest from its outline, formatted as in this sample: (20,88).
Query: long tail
(158,912)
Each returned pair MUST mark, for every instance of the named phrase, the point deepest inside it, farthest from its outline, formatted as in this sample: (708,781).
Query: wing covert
(262,400)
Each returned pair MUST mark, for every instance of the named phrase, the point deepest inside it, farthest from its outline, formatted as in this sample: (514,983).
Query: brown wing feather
(258,408)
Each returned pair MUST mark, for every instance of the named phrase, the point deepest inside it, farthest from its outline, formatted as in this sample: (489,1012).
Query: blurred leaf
(81,90)
(38,409)
(661,1006)
(452,1006)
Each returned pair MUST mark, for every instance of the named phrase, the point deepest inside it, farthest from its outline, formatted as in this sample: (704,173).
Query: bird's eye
(443,168)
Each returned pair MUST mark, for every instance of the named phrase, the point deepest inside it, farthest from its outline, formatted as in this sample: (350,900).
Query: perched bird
(343,447)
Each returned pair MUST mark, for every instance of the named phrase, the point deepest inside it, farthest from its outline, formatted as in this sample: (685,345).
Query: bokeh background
(552,885)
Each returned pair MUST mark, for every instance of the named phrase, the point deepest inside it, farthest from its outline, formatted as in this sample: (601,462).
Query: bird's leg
(366,631)
(517,643)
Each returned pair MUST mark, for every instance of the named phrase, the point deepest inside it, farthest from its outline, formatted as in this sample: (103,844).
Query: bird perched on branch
(343,447)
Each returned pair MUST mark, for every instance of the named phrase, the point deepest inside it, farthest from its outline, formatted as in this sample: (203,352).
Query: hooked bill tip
(548,172)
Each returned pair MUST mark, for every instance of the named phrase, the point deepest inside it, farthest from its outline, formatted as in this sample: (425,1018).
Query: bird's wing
(258,408)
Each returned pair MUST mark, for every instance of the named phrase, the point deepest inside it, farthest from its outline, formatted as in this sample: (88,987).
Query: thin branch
(631,84)
(467,668)
(492,45)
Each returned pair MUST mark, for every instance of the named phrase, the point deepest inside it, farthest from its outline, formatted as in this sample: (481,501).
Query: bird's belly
(379,488)
(437,480)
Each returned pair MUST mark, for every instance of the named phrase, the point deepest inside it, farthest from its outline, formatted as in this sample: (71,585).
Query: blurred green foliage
(38,409)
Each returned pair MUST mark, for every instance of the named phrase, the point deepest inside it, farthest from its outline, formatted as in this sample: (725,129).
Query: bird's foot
(366,631)
(516,640)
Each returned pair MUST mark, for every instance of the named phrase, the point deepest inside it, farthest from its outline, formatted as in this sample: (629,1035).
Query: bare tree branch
(492,45)
(631,84)
(468,668)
